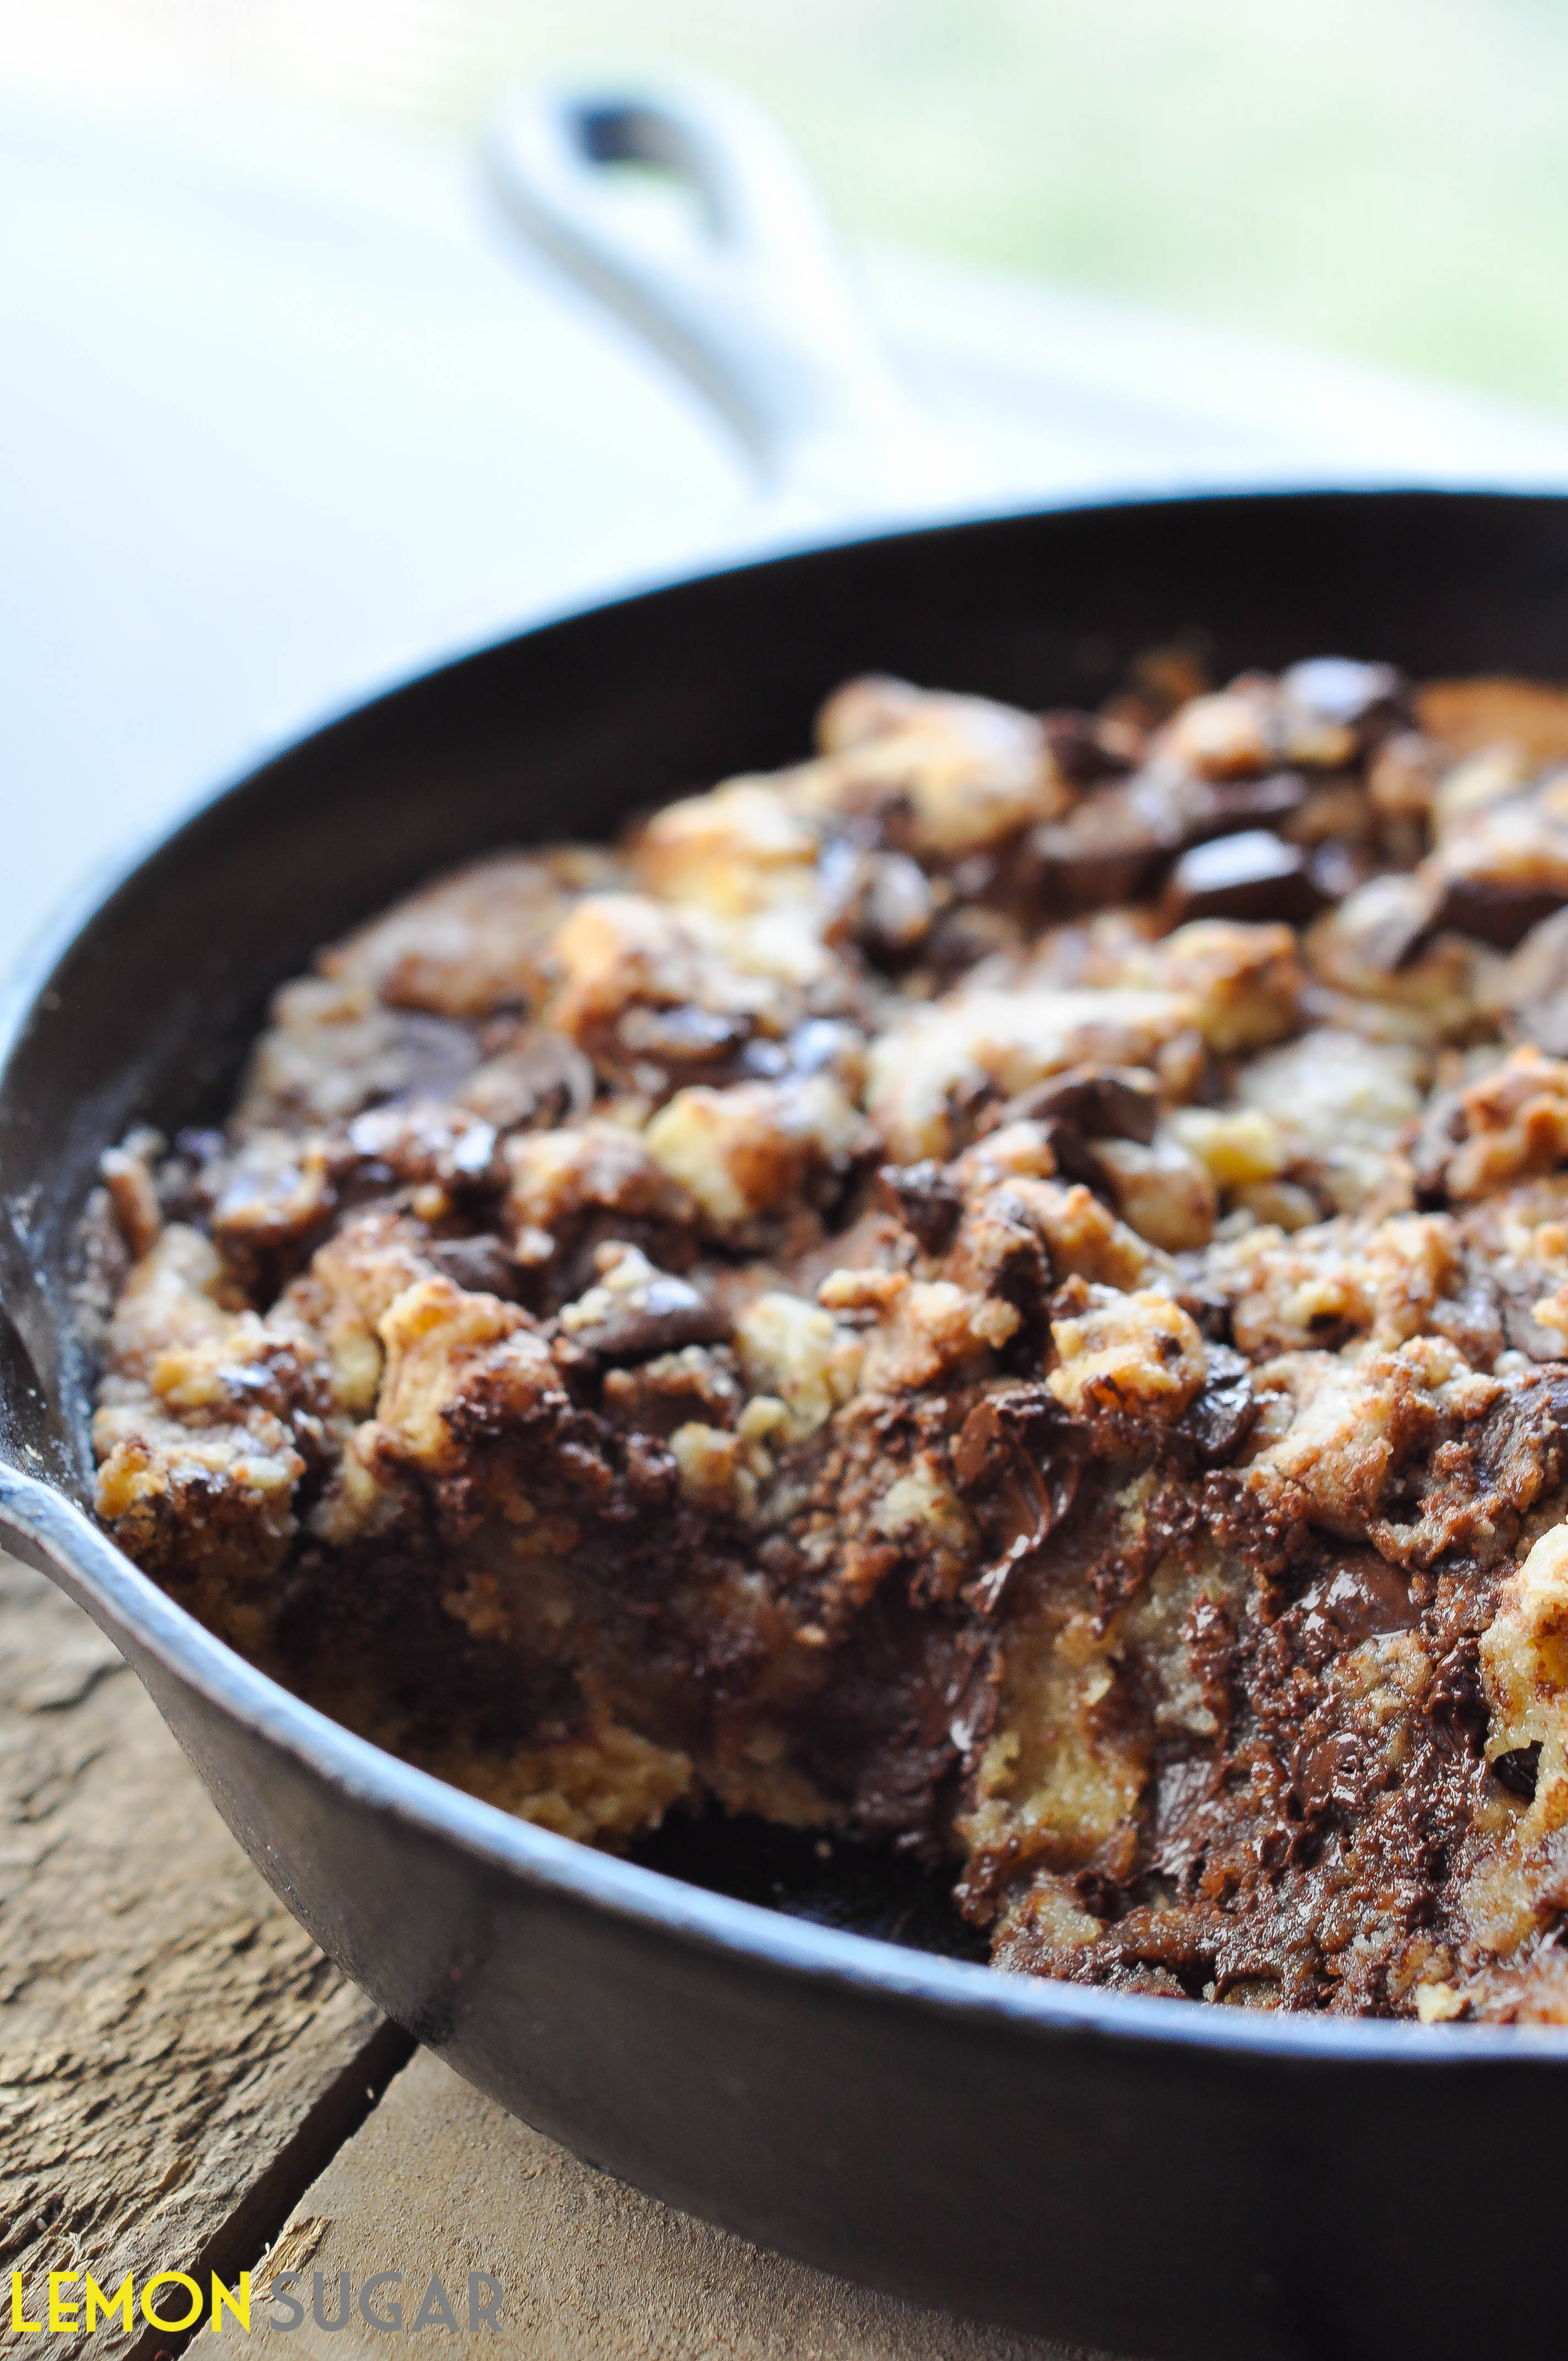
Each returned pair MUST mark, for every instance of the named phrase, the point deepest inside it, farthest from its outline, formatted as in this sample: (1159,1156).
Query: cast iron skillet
(1147,2175)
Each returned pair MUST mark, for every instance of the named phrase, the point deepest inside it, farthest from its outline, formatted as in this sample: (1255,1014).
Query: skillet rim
(99,1576)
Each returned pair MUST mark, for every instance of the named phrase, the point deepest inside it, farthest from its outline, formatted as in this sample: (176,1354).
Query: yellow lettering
(238,2304)
(23,2327)
(119,2301)
(62,2315)
(171,2278)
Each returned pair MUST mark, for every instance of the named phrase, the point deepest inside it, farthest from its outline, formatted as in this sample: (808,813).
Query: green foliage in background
(1385,176)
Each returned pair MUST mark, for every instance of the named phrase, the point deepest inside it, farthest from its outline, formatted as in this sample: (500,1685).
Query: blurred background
(290,406)
(1380,177)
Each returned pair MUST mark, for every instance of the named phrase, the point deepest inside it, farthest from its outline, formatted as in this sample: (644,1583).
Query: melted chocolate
(1362,1598)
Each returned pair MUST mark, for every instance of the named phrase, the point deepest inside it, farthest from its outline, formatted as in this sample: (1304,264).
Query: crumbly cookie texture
(1004,1290)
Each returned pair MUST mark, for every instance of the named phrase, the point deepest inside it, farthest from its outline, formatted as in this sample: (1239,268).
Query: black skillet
(1151,2176)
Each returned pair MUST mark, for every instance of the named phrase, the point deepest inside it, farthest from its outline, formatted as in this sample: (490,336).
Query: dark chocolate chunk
(1252,876)
(660,1318)
(1518,1769)
(1109,848)
(925,1201)
(1010,1464)
(1084,748)
(481,1266)
(1099,1102)
(1218,1421)
(1211,808)
(1492,912)
(658,1396)
(1442,1129)
(1205,1304)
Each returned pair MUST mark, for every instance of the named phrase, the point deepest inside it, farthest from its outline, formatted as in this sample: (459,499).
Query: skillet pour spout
(1146,2176)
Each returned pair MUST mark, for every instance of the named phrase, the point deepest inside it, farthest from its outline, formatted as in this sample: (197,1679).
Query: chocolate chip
(1252,876)
(1517,1769)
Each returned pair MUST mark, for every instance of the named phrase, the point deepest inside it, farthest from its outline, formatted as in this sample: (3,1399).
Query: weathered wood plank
(439,2180)
(176,2056)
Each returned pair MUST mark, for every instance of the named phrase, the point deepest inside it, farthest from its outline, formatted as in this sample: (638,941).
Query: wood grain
(176,2056)
(439,2180)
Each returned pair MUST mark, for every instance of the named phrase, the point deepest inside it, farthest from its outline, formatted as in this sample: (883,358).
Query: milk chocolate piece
(1252,876)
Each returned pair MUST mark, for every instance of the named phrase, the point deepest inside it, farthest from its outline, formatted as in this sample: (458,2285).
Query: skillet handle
(755,302)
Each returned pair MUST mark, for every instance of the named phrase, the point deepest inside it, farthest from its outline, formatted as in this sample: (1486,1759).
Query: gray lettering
(436,2310)
(483,2315)
(371,2317)
(318,2303)
(283,2280)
